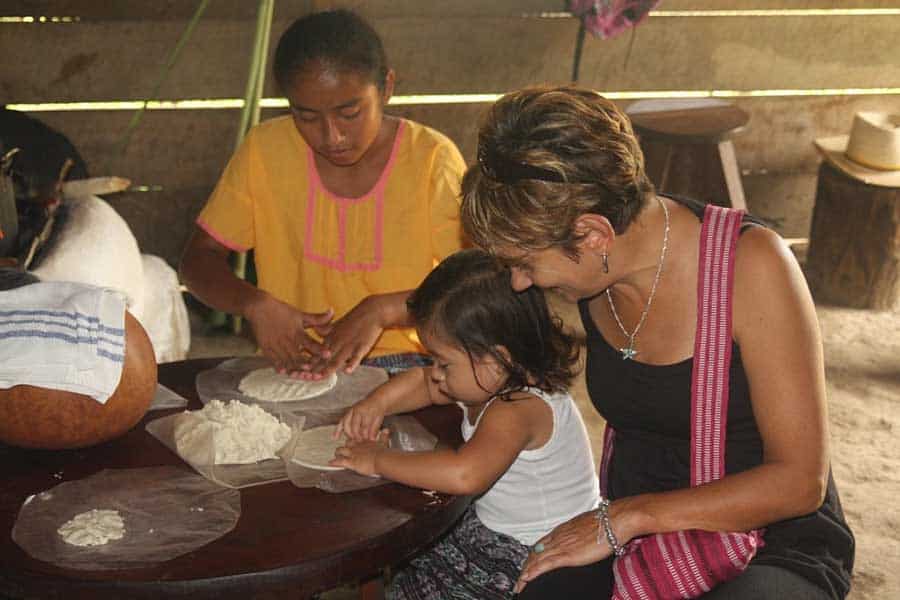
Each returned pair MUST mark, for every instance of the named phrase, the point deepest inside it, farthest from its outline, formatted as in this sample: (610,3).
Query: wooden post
(854,243)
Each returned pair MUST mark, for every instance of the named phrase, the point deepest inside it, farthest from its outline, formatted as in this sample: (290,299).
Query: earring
(605,257)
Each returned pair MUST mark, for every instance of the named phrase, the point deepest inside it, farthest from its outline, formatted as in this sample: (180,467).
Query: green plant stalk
(251,110)
(167,68)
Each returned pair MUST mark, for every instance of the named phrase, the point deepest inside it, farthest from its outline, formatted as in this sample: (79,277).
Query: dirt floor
(862,356)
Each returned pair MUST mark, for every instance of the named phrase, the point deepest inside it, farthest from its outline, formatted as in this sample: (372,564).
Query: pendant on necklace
(628,353)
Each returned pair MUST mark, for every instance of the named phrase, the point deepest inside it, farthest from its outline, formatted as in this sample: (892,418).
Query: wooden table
(289,542)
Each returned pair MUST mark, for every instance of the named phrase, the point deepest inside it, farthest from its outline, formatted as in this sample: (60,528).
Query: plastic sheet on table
(165,398)
(406,434)
(201,454)
(168,511)
(221,383)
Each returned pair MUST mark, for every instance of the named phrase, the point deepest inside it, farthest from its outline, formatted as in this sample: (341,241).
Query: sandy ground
(862,357)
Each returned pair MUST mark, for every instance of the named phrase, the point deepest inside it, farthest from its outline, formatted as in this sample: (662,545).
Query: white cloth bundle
(63,335)
(165,316)
(96,247)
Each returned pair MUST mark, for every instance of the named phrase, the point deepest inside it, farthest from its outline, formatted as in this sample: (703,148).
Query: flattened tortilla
(315,448)
(270,386)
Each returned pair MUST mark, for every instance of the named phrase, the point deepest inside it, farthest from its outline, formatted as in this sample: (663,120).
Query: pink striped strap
(689,563)
(609,438)
(682,564)
(712,350)
(713,342)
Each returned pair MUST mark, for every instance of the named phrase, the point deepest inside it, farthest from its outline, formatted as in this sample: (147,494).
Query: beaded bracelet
(604,528)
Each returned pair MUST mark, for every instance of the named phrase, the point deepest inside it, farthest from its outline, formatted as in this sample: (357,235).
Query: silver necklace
(628,352)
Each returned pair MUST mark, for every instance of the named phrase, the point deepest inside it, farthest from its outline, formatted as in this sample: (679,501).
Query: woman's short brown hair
(546,156)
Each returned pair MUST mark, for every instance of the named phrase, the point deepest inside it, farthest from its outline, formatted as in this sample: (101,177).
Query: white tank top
(546,486)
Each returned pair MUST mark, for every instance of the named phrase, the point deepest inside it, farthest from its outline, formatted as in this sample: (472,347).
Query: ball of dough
(95,527)
(228,433)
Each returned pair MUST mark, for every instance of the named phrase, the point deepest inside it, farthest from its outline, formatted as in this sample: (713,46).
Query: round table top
(673,123)
(289,540)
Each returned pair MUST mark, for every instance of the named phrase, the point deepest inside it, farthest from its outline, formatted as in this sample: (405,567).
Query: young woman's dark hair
(12,278)
(339,38)
(468,300)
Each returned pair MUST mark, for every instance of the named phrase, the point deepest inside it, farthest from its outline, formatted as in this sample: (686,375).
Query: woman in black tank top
(560,194)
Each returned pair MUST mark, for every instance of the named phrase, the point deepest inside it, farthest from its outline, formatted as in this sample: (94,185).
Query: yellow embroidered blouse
(315,250)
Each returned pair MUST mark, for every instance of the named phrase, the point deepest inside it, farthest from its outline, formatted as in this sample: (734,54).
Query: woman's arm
(775,325)
(278,327)
(506,428)
(205,271)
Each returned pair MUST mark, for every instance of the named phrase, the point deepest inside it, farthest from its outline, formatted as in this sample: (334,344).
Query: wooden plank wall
(116,51)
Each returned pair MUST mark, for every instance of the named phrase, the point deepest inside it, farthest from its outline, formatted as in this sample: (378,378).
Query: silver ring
(538,548)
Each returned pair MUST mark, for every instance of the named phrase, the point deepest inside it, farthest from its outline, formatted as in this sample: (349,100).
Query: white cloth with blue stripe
(63,335)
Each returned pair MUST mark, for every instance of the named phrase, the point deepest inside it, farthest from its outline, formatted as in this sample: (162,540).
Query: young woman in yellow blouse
(346,208)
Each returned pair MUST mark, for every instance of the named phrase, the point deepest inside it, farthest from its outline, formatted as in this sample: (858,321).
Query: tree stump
(854,243)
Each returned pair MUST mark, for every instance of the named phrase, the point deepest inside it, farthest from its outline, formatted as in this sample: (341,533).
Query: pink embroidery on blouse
(218,237)
(376,195)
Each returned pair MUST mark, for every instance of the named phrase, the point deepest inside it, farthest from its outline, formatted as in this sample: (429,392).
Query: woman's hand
(360,456)
(363,421)
(572,544)
(280,332)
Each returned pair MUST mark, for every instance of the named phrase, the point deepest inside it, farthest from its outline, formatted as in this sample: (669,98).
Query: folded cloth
(63,335)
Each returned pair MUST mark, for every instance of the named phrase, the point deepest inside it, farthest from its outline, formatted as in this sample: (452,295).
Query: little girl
(505,360)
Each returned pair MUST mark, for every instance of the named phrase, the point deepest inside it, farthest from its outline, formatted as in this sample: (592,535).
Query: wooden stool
(854,242)
(688,150)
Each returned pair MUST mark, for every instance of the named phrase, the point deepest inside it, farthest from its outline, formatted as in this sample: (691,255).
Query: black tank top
(650,408)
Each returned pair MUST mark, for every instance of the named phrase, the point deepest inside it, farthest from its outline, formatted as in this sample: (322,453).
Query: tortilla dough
(315,448)
(271,386)
(93,528)
(229,433)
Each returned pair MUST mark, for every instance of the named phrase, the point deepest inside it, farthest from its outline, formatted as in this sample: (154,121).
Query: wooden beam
(117,60)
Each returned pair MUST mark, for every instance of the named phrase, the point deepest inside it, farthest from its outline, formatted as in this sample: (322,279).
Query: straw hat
(871,153)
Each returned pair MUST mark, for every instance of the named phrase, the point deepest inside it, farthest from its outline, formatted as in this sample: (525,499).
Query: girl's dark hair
(468,300)
(340,38)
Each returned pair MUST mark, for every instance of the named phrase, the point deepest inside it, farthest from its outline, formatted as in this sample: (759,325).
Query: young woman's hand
(360,456)
(280,332)
(349,340)
(363,421)
(351,337)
